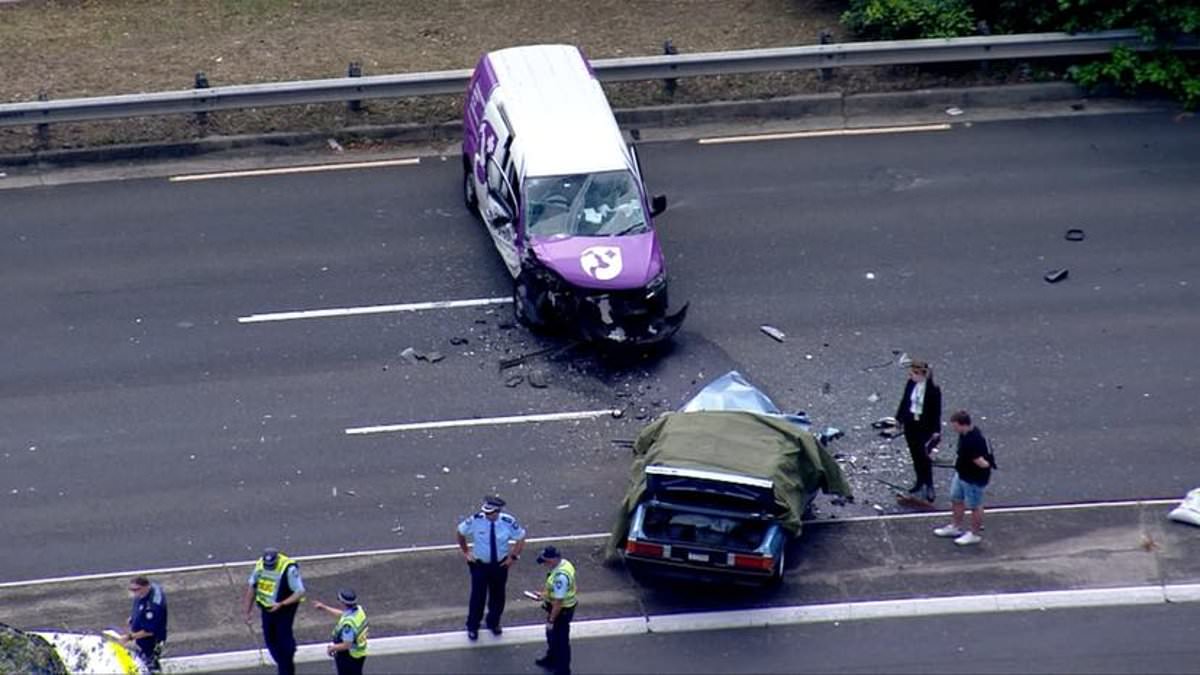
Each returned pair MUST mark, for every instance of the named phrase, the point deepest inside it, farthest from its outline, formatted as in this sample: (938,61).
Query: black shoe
(544,662)
(930,494)
(472,634)
(496,630)
(915,488)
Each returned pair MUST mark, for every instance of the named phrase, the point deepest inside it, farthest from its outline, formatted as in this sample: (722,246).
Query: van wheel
(525,307)
(469,197)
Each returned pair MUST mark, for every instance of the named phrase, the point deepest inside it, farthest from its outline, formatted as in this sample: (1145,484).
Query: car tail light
(754,562)
(635,547)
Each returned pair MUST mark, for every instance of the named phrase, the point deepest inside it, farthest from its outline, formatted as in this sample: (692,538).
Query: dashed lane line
(483,421)
(371,309)
(568,537)
(284,170)
(824,133)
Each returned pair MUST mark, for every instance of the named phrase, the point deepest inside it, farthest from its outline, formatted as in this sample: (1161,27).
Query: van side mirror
(657,205)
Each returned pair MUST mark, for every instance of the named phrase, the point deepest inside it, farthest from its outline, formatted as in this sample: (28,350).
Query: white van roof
(559,113)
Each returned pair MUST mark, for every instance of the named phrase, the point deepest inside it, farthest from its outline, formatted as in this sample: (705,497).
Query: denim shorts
(963,491)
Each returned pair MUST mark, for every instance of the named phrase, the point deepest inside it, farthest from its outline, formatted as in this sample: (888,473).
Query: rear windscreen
(662,523)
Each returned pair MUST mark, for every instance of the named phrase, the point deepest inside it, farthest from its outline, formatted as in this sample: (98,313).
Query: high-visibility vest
(567,569)
(358,622)
(266,589)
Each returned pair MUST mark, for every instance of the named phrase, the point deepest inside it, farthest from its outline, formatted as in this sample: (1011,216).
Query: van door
(500,205)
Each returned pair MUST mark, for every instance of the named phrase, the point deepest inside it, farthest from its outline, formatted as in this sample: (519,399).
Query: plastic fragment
(773,333)
(1055,276)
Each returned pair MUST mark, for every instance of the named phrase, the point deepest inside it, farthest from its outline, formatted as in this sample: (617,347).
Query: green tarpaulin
(744,443)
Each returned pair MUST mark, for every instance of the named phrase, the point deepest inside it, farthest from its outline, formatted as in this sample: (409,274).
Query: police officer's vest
(566,568)
(358,622)
(266,590)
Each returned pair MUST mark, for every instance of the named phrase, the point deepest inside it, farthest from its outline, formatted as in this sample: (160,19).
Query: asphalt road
(1060,641)
(141,425)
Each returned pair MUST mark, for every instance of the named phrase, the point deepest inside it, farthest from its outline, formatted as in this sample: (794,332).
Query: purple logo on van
(486,146)
(602,263)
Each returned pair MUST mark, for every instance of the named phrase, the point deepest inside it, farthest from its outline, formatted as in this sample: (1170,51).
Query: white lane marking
(371,309)
(311,168)
(533,540)
(1079,506)
(730,620)
(483,421)
(315,557)
(823,133)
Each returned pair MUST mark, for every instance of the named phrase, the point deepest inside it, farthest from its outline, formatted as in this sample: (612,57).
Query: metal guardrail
(1038,45)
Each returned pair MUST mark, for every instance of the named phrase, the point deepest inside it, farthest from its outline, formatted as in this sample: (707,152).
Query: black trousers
(348,665)
(151,650)
(558,642)
(277,633)
(922,464)
(488,583)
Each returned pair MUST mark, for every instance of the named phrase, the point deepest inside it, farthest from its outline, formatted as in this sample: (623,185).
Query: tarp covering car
(732,427)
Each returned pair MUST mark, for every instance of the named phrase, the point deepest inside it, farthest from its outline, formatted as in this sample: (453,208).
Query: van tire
(525,308)
(470,198)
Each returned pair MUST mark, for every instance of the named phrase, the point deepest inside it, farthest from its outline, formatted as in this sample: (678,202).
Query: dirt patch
(91,48)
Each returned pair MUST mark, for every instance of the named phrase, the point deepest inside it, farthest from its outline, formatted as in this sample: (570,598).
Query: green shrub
(909,19)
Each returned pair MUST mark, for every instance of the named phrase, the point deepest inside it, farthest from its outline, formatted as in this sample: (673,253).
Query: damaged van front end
(609,291)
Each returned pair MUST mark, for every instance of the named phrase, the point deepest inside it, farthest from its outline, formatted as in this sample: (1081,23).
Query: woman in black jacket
(920,413)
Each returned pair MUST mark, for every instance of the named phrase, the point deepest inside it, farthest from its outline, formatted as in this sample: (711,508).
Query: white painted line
(567,537)
(283,170)
(316,557)
(483,421)
(371,309)
(1079,506)
(824,133)
(747,618)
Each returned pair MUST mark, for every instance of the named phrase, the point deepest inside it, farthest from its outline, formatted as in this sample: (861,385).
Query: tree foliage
(1160,22)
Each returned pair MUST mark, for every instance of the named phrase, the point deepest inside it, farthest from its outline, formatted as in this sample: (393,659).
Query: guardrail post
(43,130)
(982,28)
(202,117)
(355,70)
(670,84)
(825,37)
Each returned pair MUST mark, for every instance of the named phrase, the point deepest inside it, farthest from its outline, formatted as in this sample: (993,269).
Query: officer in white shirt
(496,541)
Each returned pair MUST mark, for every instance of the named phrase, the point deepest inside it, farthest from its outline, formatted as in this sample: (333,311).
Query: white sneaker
(947,531)
(968,539)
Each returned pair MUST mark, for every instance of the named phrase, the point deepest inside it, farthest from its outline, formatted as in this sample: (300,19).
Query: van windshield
(584,205)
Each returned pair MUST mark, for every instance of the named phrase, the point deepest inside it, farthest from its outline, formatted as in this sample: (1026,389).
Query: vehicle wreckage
(719,488)
(561,194)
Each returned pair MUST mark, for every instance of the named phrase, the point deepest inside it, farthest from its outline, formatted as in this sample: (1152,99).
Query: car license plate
(698,557)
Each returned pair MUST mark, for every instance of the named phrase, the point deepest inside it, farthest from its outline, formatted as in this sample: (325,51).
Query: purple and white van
(561,193)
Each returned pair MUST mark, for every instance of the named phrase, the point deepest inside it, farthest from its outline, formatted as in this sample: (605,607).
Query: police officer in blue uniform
(147,621)
(497,539)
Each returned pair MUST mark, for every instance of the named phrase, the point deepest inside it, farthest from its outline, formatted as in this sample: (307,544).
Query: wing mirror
(657,205)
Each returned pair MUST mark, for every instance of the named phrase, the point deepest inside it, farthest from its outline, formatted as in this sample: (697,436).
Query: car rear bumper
(685,571)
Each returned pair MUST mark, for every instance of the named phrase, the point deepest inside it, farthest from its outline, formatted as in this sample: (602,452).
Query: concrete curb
(751,618)
(970,97)
(828,105)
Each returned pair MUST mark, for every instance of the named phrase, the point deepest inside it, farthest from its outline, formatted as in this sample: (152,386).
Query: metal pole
(670,83)
(43,130)
(202,117)
(825,37)
(355,70)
